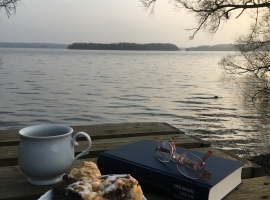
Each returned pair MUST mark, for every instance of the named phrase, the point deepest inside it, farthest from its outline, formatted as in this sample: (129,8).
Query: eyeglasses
(188,164)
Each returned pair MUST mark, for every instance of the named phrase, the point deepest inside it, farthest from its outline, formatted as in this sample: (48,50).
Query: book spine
(152,180)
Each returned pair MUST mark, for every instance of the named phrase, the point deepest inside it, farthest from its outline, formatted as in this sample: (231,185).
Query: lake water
(76,87)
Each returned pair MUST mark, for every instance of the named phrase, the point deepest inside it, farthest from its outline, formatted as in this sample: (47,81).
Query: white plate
(49,196)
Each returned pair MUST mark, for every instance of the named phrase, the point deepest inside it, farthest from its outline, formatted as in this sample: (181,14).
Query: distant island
(125,46)
(218,47)
(33,45)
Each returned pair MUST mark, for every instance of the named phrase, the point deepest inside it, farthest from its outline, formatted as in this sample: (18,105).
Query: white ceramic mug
(46,152)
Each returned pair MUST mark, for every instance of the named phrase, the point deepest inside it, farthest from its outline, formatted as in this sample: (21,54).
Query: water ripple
(187,91)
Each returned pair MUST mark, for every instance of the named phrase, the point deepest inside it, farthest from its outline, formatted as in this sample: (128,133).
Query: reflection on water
(184,89)
(255,102)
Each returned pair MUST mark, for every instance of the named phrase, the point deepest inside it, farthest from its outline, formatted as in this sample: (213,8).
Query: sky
(108,21)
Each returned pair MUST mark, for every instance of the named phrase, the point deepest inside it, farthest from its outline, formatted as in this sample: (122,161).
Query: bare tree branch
(149,4)
(9,6)
(210,14)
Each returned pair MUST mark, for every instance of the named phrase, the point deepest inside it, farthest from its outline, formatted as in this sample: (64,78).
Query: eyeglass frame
(175,157)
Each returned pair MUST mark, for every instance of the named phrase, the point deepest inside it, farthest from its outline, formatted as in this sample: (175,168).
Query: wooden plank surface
(9,158)
(14,185)
(13,182)
(102,131)
(252,189)
(249,169)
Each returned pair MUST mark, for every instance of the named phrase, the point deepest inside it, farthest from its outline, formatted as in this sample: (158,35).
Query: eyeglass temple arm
(174,150)
(163,150)
(206,174)
(173,145)
(206,155)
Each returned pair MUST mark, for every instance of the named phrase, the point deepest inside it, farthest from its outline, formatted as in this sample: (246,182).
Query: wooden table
(13,183)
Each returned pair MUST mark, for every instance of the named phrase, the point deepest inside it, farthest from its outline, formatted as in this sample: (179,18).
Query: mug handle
(84,152)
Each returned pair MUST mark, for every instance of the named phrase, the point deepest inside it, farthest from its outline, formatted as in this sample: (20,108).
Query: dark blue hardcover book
(138,159)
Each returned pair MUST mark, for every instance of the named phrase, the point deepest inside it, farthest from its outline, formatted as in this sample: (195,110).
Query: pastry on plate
(108,187)
(86,183)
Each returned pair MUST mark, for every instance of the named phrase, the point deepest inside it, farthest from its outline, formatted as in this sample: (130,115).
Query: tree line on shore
(32,45)
(218,47)
(152,47)
(125,46)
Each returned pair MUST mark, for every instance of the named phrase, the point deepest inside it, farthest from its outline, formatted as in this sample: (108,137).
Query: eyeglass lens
(190,165)
(164,152)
